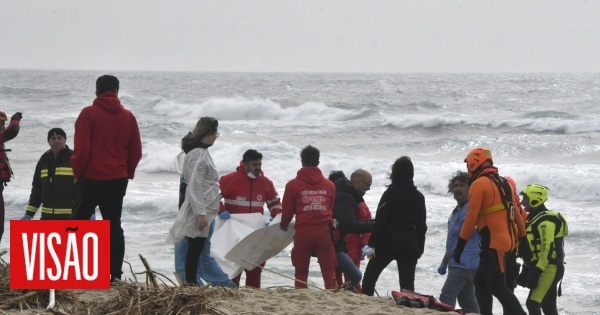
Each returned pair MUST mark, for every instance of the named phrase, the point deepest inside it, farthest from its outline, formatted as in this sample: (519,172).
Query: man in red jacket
(310,197)
(107,150)
(248,190)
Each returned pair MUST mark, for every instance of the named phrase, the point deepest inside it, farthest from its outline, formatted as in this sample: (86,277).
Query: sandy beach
(281,300)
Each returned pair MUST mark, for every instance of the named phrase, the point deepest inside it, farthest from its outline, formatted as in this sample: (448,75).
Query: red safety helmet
(477,157)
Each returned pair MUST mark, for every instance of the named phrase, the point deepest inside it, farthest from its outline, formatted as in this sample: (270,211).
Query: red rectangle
(60,254)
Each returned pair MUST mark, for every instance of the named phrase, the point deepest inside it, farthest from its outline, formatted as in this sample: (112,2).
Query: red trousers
(252,277)
(317,241)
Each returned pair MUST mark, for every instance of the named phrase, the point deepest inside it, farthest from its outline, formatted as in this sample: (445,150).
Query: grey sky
(306,35)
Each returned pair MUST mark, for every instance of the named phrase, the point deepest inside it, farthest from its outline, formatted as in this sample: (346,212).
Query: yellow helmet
(536,193)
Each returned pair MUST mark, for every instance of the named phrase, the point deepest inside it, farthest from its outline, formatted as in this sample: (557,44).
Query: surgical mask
(251,175)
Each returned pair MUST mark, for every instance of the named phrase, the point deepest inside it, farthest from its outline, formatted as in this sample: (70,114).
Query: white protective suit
(201,197)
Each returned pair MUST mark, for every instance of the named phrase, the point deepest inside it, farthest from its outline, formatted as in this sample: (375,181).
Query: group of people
(70,184)
(332,221)
(488,229)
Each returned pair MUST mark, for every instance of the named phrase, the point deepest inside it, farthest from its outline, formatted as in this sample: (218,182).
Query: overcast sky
(306,35)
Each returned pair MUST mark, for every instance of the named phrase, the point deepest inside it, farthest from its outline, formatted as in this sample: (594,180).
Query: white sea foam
(552,125)
(255,109)
(158,156)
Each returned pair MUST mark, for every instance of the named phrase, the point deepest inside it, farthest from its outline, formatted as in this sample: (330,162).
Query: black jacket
(400,224)
(344,211)
(52,186)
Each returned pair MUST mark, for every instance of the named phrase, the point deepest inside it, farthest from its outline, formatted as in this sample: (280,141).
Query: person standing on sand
(209,270)
(546,230)
(310,198)
(460,281)
(201,195)
(400,227)
(107,150)
(347,206)
(52,185)
(248,190)
(488,210)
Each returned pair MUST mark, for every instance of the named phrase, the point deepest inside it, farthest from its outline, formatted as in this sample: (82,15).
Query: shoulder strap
(563,221)
(505,194)
(554,217)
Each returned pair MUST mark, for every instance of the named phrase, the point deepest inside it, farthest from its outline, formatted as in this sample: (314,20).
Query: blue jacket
(470,257)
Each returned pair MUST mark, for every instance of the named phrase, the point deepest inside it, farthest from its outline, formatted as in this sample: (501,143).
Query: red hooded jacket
(310,197)
(243,194)
(107,141)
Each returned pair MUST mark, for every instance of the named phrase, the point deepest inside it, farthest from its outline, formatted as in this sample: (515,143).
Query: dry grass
(132,298)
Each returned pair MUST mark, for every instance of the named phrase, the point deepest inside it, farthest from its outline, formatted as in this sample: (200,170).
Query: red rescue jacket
(310,197)
(242,194)
(107,141)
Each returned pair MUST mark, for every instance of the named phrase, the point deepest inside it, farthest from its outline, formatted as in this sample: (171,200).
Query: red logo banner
(59,254)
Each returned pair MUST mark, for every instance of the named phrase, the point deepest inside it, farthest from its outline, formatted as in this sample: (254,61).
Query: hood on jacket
(188,143)
(109,102)
(310,175)
(345,185)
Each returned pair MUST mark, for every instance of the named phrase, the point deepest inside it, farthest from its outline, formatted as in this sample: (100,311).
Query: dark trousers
(512,270)
(490,282)
(1,210)
(407,263)
(195,246)
(108,196)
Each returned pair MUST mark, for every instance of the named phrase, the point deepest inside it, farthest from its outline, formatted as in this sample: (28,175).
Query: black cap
(56,131)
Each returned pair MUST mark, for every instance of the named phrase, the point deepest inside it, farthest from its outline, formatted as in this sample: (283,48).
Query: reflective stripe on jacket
(52,186)
(242,194)
(545,232)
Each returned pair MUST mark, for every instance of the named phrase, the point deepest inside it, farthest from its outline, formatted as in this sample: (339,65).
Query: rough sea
(541,128)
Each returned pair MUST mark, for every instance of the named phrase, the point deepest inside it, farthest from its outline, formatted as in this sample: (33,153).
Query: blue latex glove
(93,217)
(442,269)
(283,228)
(270,220)
(26,217)
(225,215)
(368,250)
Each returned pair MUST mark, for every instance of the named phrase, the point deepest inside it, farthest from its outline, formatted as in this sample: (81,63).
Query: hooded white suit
(201,197)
